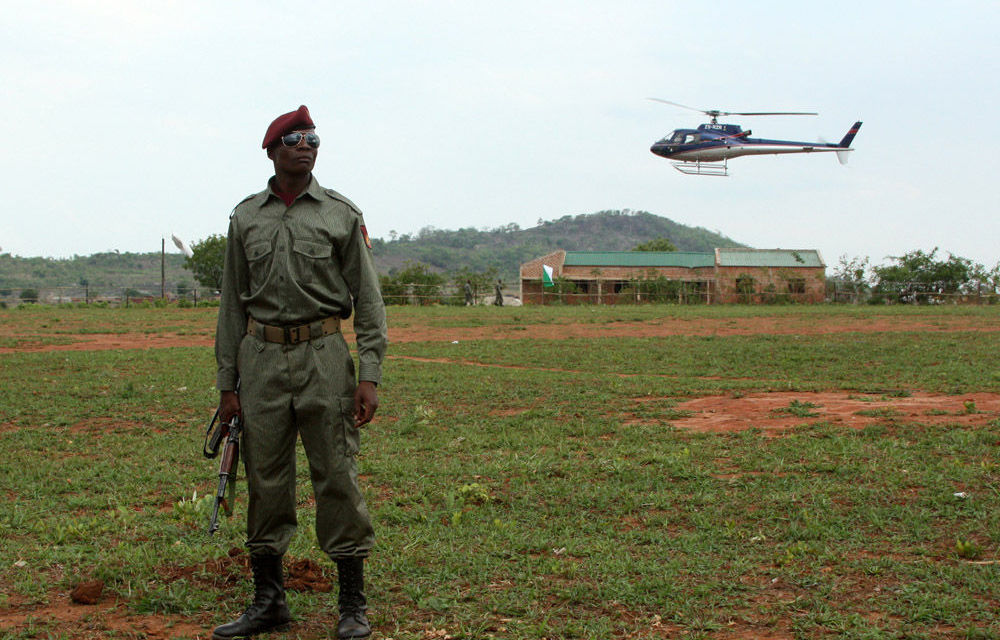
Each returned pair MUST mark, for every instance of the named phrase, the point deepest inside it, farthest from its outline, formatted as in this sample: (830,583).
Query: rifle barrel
(213,524)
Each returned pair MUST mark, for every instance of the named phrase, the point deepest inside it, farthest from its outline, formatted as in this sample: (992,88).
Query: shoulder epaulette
(336,196)
(233,212)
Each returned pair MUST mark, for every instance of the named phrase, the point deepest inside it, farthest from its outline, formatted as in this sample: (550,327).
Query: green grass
(933,317)
(952,362)
(42,320)
(517,501)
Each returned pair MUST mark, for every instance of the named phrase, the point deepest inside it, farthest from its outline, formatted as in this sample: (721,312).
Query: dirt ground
(87,613)
(769,412)
(664,327)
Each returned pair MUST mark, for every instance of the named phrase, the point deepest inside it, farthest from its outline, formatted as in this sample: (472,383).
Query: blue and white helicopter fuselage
(720,142)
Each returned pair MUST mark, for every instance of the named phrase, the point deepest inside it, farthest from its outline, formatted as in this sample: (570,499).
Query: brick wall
(719,284)
(770,284)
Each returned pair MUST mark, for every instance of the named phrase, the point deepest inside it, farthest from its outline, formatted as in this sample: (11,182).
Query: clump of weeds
(799,409)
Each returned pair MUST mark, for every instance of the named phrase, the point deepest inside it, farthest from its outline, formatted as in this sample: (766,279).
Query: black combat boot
(351,600)
(269,611)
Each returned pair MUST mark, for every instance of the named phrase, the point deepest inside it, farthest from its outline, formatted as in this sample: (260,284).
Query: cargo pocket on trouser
(352,435)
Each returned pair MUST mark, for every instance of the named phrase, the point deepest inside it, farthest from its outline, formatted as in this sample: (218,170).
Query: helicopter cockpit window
(691,138)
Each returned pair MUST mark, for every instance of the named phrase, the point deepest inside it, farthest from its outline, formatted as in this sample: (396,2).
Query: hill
(103,271)
(505,248)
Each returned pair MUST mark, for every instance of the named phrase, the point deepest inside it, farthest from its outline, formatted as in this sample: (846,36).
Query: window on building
(797,285)
(746,287)
(745,284)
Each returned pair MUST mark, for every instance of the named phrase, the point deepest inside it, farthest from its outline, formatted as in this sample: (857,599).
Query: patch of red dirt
(300,575)
(690,327)
(306,575)
(87,592)
(99,621)
(96,425)
(762,411)
(109,341)
(85,612)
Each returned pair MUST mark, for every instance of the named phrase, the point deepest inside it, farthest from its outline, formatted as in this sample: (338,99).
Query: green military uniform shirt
(288,266)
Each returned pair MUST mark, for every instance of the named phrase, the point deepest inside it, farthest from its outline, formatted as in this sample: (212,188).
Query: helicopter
(705,151)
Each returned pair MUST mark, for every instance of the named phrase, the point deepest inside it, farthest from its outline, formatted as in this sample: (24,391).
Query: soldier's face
(296,160)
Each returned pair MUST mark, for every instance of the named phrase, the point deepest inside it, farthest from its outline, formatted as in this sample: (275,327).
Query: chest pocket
(259,261)
(311,259)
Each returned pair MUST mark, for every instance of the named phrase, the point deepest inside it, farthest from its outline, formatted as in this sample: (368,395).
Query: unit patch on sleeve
(364,234)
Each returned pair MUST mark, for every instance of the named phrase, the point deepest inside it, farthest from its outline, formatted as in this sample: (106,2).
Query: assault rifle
(228,465)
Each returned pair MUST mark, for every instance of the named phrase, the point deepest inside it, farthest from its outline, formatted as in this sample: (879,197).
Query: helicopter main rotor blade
(768,113)
(677,104)
(716,113)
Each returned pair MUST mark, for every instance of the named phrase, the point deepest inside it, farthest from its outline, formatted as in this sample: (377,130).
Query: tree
(853,273)
(983,280)
(482,282)
(415,282)
(206,261)
(658,244)
(917,276)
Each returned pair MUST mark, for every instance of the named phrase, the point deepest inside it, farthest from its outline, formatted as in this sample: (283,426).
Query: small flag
(547,276)
(364,234)
(180,245)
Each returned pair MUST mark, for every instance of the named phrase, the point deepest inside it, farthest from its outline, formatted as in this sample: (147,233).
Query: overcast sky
(126,122)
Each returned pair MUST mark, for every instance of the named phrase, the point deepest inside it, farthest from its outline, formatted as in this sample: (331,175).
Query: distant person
(468,293)
(298,261)
(498,289)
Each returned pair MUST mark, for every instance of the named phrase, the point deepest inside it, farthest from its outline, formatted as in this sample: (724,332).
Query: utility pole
(163,268)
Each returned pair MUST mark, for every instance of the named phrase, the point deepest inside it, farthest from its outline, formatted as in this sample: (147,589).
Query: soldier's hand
(229,406)
(365,403)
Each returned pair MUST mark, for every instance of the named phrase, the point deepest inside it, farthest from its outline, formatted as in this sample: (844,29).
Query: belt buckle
(287,334)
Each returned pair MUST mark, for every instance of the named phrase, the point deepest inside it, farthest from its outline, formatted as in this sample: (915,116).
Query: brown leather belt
(293,335)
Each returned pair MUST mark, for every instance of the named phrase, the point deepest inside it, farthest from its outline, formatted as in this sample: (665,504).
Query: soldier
(497,288)
(298,261)
(468,293)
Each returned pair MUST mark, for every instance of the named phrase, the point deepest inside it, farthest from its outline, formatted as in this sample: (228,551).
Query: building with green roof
(722,276)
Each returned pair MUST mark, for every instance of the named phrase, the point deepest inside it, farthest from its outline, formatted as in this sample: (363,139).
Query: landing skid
(703,168)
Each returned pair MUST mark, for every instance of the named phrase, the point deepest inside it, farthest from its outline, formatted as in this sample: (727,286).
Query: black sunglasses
(293,139)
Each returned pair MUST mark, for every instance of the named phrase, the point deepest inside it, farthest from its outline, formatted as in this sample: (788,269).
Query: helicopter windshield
(674,138)
(681,137)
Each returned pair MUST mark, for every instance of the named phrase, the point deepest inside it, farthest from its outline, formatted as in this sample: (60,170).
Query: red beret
(298,119)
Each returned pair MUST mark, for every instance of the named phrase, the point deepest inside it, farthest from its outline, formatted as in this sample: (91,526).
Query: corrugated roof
(769,258)
(689,259)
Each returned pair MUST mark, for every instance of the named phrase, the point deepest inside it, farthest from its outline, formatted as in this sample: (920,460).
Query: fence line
(112,296)
(427,294)
(910,293)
